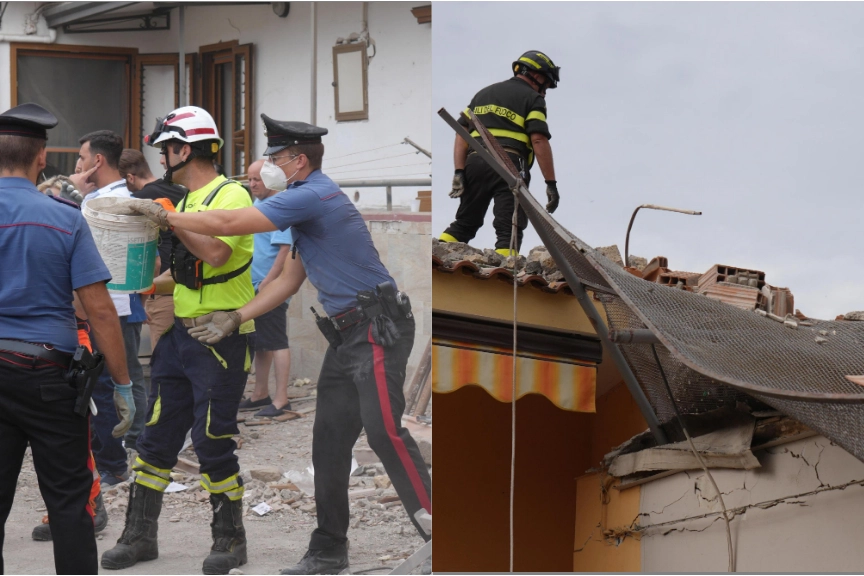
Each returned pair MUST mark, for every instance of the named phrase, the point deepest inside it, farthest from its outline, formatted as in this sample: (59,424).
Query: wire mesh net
(717,355)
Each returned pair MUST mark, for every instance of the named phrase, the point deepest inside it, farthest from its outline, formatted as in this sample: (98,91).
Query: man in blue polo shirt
(46,252)
(370,329)
(271,329)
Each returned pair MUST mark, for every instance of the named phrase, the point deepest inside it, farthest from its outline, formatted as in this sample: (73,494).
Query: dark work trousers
(36,406)
(140,387)
(360,386)
(190,388)
(108,451)
(482,186)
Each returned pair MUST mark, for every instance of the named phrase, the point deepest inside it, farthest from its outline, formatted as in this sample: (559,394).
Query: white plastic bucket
(126,243)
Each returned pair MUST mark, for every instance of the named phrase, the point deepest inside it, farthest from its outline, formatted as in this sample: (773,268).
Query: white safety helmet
(188,124)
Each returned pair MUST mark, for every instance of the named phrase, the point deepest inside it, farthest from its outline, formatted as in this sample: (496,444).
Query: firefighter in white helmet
(194,385)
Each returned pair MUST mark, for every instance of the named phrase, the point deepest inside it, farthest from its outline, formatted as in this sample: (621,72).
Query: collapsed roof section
(712,354)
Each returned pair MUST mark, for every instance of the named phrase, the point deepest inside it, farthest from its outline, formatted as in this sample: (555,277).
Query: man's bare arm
(211,250)
(222,222)
(287,284)
(278,265)
(460,153)
(102,316)
(543,153)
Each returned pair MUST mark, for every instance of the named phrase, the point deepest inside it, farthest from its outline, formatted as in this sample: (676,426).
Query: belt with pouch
(347,319)
(507,149)
(36,352)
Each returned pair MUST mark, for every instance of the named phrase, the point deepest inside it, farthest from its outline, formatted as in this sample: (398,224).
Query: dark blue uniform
(360,385)
(46,252)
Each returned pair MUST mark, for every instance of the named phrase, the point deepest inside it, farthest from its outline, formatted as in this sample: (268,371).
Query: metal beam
(69,12)
(634,336)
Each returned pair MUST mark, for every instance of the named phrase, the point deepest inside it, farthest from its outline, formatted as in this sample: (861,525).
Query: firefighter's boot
(229,536)
(332,560)
(138,541)
(42,532)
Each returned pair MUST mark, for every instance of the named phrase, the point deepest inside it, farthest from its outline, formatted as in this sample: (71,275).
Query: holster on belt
(325,325)
(83,373)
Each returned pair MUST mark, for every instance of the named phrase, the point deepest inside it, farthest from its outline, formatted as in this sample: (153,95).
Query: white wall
(819,533)
(400,75)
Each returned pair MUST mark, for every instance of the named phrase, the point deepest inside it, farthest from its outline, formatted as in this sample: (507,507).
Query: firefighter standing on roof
(194,385)
(514,111)
(370,330)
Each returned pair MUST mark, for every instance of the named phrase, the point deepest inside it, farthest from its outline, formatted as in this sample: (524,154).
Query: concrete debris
(266,473)
(857,316)
(425,447)
(638,262)
(613,254)
(382,482)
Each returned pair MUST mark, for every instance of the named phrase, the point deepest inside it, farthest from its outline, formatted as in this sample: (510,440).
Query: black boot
(332,560)
(229,536)
(42,532)
(138,541)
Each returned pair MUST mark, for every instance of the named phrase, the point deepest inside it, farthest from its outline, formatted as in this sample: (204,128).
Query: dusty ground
(380,535)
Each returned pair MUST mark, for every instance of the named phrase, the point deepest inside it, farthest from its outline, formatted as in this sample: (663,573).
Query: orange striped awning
(569,385)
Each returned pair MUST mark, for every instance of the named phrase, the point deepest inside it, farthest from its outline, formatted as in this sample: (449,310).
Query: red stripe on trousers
(390,426)
(91,465)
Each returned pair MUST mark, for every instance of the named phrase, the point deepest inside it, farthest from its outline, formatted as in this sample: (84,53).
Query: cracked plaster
(808,533)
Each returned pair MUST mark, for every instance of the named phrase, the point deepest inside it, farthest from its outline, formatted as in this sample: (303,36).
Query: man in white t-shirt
(99,158)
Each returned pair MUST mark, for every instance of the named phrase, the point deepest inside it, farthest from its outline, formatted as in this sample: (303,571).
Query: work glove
(213,327)
(152,210)
(552,195)
(384,331)
(458,184)
(125,405)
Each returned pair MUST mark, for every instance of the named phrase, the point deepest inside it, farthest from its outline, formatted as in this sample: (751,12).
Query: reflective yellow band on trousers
(230,486)
(447,238)
(151,476)
(207,427)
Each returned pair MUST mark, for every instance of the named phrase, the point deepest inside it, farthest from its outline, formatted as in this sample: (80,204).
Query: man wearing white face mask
(370,329)
(271,329)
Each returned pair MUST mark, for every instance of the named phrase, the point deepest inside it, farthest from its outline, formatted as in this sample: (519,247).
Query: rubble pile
(538,262)
(739,287)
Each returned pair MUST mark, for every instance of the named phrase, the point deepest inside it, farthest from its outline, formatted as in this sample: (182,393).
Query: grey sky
(752,113)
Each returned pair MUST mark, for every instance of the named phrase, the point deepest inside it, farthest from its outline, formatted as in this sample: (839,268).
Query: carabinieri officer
(370,329)
(46,252)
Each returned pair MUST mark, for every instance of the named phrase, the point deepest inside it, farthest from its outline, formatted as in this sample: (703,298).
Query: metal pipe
(313,104)
(635,336)
(32,38)
(422,150)
(384,183)
(651,207)
(181,65)
(574,283)
(389,198)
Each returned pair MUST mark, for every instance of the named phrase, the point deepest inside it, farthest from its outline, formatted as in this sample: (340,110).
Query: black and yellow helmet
(538,62)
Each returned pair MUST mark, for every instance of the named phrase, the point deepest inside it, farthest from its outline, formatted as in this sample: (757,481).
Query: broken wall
(782,527)
(403,242)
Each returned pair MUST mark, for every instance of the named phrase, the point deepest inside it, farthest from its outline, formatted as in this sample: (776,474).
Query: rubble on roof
(537,269)
(739,287)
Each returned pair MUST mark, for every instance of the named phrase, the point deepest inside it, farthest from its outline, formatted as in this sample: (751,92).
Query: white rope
(513,233)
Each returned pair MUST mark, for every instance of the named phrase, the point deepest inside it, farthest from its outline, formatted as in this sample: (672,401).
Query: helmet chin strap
(169,169)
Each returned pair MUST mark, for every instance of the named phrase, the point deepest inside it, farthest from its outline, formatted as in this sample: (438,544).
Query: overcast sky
(752,113)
